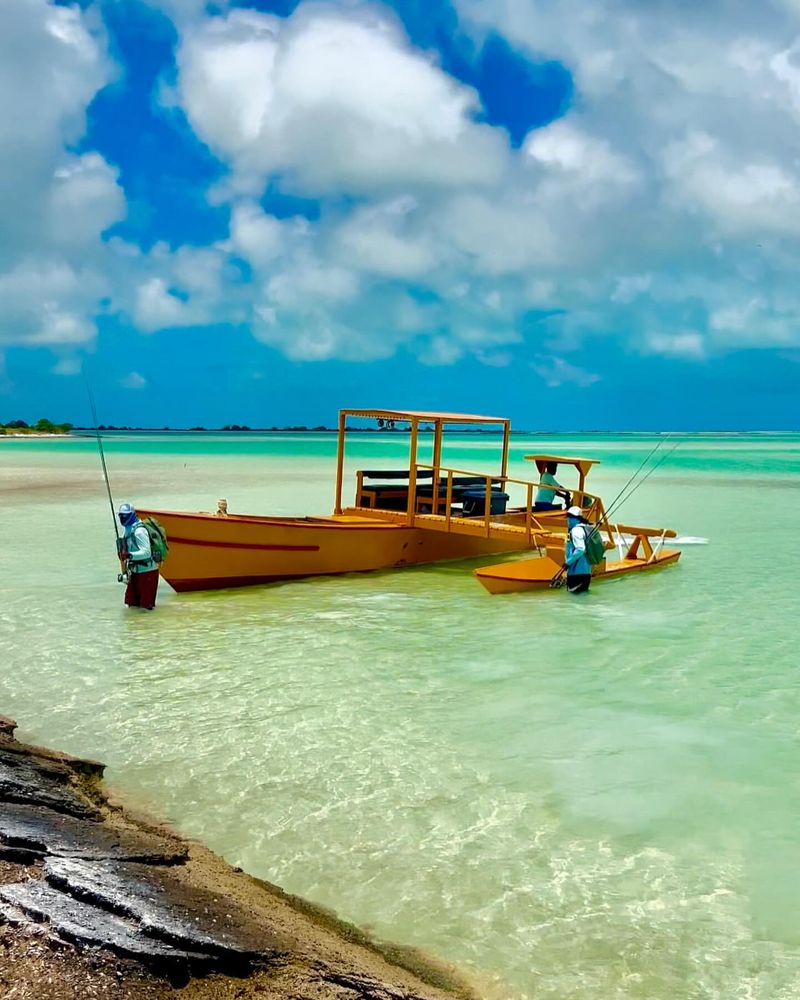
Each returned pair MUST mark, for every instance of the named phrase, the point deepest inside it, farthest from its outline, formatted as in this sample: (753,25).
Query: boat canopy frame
(415,418)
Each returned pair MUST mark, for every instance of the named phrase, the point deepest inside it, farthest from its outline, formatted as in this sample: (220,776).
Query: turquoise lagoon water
(568,798)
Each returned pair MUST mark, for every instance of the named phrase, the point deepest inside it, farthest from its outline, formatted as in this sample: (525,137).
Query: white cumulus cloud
(54,204)
(334,98)
(660,215)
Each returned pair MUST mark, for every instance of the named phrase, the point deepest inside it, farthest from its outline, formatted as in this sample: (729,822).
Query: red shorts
(141,590)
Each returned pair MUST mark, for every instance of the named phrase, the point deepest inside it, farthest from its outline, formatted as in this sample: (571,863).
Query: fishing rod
(625,493)
(120,576)
(643,480)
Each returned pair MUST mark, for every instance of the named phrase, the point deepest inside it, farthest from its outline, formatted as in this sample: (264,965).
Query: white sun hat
(575,512)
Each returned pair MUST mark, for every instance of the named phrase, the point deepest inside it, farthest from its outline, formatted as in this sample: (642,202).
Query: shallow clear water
(570,798)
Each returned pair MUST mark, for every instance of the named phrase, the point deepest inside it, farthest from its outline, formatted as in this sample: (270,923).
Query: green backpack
(158,539)
(595,547)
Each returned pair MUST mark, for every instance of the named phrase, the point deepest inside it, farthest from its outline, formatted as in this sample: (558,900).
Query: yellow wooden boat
(543,572)
(421,513)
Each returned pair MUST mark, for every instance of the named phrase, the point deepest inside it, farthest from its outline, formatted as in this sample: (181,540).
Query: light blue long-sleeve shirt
(543,495)
(140,554)
(575,551)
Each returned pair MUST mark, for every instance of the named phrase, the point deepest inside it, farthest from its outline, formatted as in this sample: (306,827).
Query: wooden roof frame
(415,418)
(424,416)
(583,465)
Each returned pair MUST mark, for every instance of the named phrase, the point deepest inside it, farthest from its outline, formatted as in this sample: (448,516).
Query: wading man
(579,570)
(142,568)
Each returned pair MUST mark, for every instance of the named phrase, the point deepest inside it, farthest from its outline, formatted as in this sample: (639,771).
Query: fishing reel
(122,577)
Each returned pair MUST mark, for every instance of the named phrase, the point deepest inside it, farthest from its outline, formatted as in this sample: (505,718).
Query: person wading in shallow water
(579,570)
(142,568)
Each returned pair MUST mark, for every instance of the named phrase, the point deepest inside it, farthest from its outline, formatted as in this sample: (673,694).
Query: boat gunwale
(329,522)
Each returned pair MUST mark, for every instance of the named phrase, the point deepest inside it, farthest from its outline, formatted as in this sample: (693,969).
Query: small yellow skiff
(545,572)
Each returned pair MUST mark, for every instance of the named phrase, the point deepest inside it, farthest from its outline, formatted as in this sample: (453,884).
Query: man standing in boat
(576,562)
(142,567)
(545,495)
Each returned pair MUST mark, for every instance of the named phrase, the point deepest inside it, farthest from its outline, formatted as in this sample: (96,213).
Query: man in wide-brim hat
(142,568)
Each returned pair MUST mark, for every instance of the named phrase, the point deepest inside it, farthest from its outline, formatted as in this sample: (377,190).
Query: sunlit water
(569,798)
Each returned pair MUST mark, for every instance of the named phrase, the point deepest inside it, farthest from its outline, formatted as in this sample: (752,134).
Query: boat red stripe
(241,545)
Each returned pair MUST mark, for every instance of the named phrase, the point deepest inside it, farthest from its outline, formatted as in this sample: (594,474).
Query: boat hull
(537,574)
(207,552)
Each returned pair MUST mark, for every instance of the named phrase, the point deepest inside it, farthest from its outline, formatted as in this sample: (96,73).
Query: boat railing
(437,488)
(394,484)
(592,505)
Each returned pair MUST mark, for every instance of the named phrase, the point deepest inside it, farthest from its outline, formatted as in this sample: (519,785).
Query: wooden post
(412,473)
(506,435)
(643,542)
(340,462)
(487,511)
(437,461)
(449,496)
(359,486)
(529,512)
(654,551)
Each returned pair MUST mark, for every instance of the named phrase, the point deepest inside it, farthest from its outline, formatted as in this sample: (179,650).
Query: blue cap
(126,508)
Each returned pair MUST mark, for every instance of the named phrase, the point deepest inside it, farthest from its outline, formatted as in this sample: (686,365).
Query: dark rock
(42,831)
(165,906)
(19,855)
(43,757)
(24,779)
(12,756)
(81,923)
(7,726)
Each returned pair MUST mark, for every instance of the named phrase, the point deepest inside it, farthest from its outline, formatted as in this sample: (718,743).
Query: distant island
(231,428)
(291,429)
(47,428)
(20,428)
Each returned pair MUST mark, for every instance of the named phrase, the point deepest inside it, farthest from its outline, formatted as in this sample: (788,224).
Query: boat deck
(476,527)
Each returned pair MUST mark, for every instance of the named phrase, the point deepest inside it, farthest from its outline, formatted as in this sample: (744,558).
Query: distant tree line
(43,426)
(199,427)
(244,427)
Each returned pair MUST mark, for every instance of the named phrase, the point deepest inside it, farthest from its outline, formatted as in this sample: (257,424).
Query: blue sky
(260,212)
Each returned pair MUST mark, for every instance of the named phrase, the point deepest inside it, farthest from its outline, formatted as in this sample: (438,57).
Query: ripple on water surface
(574,798)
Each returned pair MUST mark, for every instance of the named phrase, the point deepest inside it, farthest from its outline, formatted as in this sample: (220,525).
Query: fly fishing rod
(649,473)
(625,493)
(120,576)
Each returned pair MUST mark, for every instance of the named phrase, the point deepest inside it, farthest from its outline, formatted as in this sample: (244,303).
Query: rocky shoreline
(97,902)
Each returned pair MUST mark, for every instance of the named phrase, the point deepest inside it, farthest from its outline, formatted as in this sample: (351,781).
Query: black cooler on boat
(474,502)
